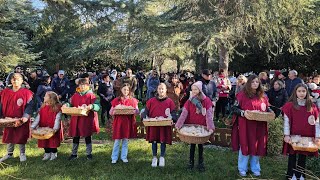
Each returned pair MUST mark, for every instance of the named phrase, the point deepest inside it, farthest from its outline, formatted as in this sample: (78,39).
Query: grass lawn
(220,164)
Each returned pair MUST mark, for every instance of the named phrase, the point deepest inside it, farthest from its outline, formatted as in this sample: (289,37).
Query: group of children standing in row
(301,117)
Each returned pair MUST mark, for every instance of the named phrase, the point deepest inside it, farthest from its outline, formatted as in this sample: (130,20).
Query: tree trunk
(179,63)
(223,58)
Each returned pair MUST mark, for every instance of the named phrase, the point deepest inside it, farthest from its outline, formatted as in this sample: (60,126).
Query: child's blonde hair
(53,101)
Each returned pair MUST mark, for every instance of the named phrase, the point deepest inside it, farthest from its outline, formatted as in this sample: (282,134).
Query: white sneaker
(53,156)
(294,177)
(161,162)
(154,162)
(46,156)
(113,161)
(242,173)
(125,160)
(301,178)
(23,157)
(257,174)
(6,157)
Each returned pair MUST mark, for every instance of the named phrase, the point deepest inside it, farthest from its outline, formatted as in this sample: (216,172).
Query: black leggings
(50,150)
(105,112)
(76,140)
(192,152)
(221,106)
(292,165)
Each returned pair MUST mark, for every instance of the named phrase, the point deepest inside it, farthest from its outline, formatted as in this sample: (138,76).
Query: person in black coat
(106,94)
(278,96)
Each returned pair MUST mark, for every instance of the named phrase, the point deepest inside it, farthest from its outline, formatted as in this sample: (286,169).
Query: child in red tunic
(50,116)
(301,117)
(250,137)
(124,126)
(83,126)
(16,102)
(197,110)
(160,106)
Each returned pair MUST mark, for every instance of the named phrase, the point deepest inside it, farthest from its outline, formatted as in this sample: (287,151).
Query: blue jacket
(209,89)
(41,92)
(291,84)
(153,83)
(60,86)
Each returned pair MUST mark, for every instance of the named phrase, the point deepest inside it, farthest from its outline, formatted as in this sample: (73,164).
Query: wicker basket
(193,139)
(308,149)
(261,116)
(8,122)
(124,111)
(47,135)
(164,122)
(73,111)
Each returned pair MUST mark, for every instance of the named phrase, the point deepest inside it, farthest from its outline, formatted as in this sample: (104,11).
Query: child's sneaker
(113,161)
(23,157)
(161,162)
(125,160)
(294,177)
(256,174)
(154,162)
(53,156)
(89,157)
(46,156)
(6,157)
(72,157)
(242,173)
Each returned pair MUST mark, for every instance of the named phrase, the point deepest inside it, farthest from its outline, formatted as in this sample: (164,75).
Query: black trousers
(192,152)
(50,150)
(293,165)
(221,106)
(105,108)
(88,140)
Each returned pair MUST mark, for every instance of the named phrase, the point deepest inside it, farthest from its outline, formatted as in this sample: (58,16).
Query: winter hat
(277,73)
(199,84)
(61,72)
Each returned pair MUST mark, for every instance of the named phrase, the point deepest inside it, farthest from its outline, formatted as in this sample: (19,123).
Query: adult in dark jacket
(106,94)
(208,86)
(292,81)
(140,77)
(44,87)
(152,84)
(61,86)
(277,96)
(33,81)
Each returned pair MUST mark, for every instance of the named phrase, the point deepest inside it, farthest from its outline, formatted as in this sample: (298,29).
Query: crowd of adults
(221,87)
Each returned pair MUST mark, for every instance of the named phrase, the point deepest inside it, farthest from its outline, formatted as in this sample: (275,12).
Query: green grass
(219,164)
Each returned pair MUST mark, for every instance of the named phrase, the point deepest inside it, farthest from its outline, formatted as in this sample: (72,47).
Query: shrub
(275,139)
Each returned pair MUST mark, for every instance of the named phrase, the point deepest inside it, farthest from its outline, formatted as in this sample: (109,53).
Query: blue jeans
(155,148)
(243,163)
(116,149)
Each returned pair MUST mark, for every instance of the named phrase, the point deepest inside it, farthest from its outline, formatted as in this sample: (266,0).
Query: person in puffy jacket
(278,96)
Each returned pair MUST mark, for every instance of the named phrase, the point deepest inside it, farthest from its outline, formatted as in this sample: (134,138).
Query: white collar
(301,102)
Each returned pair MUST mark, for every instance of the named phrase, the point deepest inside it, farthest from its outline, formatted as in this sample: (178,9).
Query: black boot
(190,165)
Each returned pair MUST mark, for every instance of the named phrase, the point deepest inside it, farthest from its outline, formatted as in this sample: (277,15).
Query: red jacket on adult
(250,136)
(299,125)
(13,105)
(47,119)
(157,108)
(84,125)
(124,126)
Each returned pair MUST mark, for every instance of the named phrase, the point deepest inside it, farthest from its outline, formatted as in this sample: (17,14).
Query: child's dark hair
(83,81)
(248,90)
(293,98)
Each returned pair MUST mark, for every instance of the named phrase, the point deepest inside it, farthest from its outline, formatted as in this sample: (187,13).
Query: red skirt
(17,135)
(287,149)
(124,127)
(84,126)
(159,134)
(53,142)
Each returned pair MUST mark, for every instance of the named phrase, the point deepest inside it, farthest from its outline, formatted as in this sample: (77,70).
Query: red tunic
(193,117)
(157,133)
(298,120)
(13,105)
(251,136)
(124,126)
(47,119)
(84,125)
